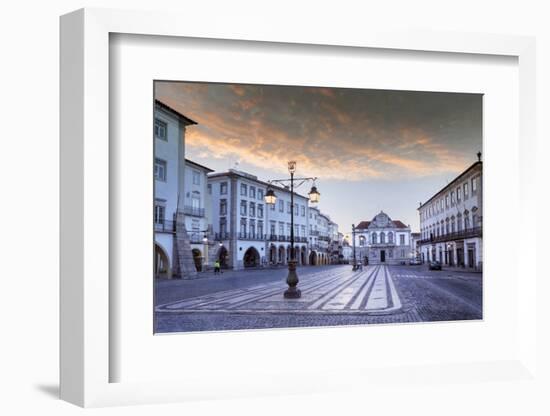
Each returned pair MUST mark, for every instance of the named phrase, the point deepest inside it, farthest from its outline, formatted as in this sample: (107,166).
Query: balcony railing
(193,211)
(165,226)
(457,235)
(250,236)
(222,236)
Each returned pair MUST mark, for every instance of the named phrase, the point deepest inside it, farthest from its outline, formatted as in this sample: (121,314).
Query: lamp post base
(292,280)
(292,293)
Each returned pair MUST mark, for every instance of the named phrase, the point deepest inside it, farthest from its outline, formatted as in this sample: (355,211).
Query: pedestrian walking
(217,267)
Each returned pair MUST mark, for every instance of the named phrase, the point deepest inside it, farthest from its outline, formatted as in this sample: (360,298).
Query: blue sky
(371,149)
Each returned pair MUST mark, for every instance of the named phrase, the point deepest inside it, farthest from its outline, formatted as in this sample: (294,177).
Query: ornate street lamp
(270,198)
(314,195)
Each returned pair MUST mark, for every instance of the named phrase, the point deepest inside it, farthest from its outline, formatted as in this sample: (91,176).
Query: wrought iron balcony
(165,226)
(251,236)
(193,211)
(222,236)
(457,235)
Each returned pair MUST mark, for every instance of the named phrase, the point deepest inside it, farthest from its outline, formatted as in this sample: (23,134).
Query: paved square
(331,295)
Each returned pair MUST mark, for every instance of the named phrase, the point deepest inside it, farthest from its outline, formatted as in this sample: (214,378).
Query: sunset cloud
(338,134)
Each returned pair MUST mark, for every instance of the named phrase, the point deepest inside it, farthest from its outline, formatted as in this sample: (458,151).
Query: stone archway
(162,263)
(251,258)
(313,258)
(272,254)
(223,257)
(197,258)
(282,255)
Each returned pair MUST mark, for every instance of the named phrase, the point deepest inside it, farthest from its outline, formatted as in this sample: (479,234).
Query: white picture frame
(87,356)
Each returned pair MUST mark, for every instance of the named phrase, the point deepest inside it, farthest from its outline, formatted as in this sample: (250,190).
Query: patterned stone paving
(338,291)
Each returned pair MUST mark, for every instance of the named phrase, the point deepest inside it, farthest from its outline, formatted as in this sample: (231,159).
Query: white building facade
(320,232)
(383,241)
(249,232)
(173,255)
(451,221)
(198,212)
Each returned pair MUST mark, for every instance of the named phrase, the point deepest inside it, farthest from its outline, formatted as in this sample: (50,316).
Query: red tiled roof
(363,225)
(399,224)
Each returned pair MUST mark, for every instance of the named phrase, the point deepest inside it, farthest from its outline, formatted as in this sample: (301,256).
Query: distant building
(451,221)
(320,237)
(382,241)
(347,252)
(415,249)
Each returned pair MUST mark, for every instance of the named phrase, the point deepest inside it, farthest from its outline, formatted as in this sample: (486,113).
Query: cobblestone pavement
(331,295)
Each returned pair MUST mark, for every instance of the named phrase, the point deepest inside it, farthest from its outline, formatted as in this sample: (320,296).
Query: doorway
(382,256)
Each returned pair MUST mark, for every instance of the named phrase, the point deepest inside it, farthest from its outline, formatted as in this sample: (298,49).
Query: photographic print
(293,206)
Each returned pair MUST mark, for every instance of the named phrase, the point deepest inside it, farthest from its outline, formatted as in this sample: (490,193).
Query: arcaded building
(451,221)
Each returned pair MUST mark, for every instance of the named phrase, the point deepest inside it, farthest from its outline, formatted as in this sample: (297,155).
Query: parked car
(414,262)
(435,265)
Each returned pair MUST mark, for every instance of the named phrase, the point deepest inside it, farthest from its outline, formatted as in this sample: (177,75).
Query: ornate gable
(382,220)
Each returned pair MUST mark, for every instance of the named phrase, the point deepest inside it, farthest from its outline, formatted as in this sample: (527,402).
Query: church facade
(383,241)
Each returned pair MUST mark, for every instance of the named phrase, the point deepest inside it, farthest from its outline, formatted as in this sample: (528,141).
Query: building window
(296,209)
(209,188)
(459,223)
(252,192)
(260,229)
(260,211)
(272,207)
(474,185)
(382,238)
(243,226)
(288,228)
(160,211)
(223,225)
(474,220)
(466,190)
(452,198)
(447,201)
(374,238)
(272,230)
(303,210)
(223,206)
(243,207)
(466,221)
(288,210)
(260,194)
(281,228)
(303,230)
(458,194)
(361,241)
(402,239)
(402,253)
(244,189)
(196,177)
(252,209)
(281,205)
(390,254)
(252,228)
(160,170)
(223,188)
(390,237)
(196,200)
(161,129)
